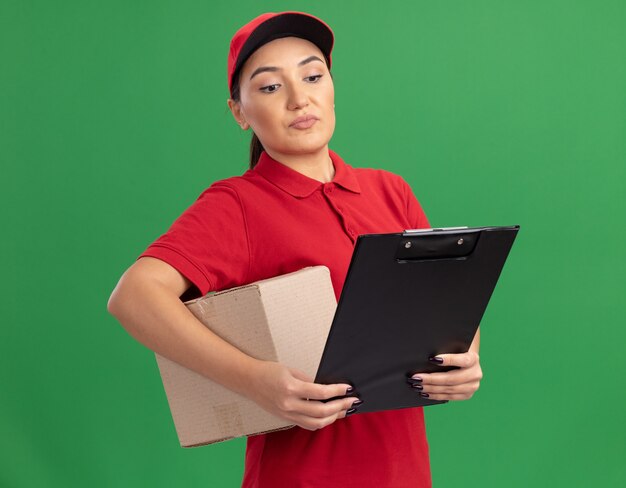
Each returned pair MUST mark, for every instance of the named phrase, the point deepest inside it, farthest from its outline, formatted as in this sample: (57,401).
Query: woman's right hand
(292,395)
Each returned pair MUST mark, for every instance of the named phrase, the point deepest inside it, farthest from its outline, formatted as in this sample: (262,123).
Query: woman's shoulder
(235,185)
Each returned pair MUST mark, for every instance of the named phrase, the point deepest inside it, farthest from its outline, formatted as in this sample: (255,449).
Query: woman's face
(287,97)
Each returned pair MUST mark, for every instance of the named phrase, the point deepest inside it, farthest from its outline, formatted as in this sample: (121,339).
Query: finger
(305,382)
(320,410)
(315,391)
(462,360)
(456,389)
(449,378)
(450,396)
(315,423)
(354,407)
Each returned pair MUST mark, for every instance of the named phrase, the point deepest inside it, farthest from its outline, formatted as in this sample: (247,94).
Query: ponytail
(256,148)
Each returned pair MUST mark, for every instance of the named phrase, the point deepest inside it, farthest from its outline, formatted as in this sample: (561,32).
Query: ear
(235,109)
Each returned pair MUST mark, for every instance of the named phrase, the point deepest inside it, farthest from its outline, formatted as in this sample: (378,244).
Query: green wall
(113,119)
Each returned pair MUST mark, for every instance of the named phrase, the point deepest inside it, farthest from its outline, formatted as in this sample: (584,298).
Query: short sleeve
(208,243)
(415,214)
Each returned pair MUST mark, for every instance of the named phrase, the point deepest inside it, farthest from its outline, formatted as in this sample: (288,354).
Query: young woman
(299,205)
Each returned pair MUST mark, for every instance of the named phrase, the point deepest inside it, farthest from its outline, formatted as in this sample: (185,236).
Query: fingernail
(357,403)
(416,378)
(350,389)
(417,387)
(350,411)
(436,360)
(425,395)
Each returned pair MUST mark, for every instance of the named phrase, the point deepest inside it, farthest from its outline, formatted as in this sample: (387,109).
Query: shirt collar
(299,185)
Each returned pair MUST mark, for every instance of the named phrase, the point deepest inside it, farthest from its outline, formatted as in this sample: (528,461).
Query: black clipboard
(409,296)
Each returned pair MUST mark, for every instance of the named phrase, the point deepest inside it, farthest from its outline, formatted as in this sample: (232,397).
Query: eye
(313,78)
(269,88)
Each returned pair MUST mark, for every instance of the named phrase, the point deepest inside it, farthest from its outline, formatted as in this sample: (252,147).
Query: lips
(303,122)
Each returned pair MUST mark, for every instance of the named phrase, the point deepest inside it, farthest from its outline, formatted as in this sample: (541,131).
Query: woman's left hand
(456,384)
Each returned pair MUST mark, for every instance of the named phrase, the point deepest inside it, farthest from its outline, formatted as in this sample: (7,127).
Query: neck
(316,165)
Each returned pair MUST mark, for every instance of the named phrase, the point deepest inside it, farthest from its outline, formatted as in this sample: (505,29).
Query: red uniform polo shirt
(273,220)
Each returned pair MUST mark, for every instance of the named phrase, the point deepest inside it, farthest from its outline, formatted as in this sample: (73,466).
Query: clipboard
(407,297)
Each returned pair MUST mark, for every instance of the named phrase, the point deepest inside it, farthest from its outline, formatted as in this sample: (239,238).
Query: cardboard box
(284,319)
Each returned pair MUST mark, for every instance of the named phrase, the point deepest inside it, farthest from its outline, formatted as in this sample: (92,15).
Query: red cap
(270,26)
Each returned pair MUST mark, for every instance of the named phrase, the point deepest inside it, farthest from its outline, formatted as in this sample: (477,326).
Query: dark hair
(256,148)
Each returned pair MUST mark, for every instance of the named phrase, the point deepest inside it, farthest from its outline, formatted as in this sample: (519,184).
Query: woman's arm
(457,384)
(146,302)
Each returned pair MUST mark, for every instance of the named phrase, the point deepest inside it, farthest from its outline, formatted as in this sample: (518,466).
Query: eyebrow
(272,69)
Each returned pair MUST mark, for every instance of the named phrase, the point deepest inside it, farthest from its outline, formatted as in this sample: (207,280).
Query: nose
(298,97)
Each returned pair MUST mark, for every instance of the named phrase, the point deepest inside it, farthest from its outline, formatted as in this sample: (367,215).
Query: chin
(311,143)
(308,148)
